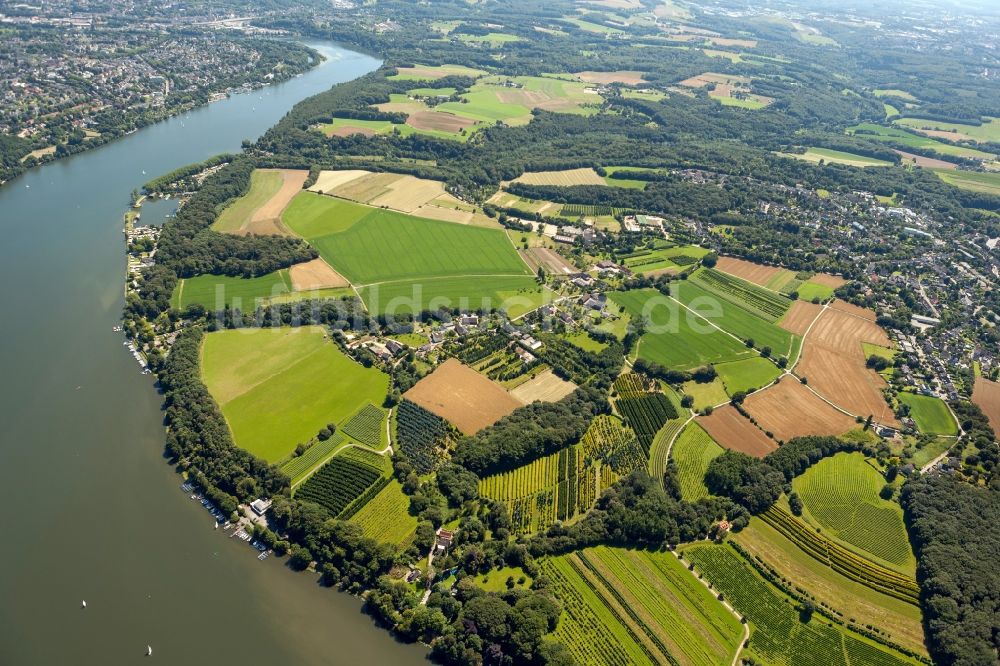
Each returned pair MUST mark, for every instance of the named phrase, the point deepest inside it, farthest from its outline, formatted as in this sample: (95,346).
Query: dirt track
(734,431)
(788,409)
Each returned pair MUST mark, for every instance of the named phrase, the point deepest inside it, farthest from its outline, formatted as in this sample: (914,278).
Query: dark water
(88,507)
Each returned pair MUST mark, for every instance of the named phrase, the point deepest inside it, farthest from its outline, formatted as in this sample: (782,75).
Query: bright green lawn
(263,186)
(896,135)
(731,317)
(706,394)
(279,387)
(585,342)
(496,581)
(810,290)
(214,292)
(748,374)
(687,341)
(692,451)
(931,414)
(841,495)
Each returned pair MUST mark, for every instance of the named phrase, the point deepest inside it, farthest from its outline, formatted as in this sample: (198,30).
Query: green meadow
(747,374)
(930,414)
(214,292)
(809,290)
(974,181)
(278,387)
(689,340)
(517,294)
(837,157)
(986,132)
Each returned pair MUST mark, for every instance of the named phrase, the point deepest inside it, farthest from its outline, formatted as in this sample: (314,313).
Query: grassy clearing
(909,139)
(431,73)
(637,607)
(930,414)
(809,291)
(496,581)
(706,394)
(692,452)
(585,342)
(778,636)
(387,516)
(215,292)
(263,186)
(987,183)
(931,451)
(687,340)
(279,387)
(731,317)
(748,374)
(492,38)
(517,295)
(828,156)
(841,495)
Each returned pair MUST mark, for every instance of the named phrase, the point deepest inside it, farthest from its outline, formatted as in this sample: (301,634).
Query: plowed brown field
(788,409)
(734,431)
(747,270)
(316,274)
(464,397)
(987,395)
(799,317)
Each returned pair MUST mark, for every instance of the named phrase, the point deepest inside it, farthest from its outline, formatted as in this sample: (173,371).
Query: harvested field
(349,130)
(921,161)
(703,80)
(316,274)
(431,73)
(438,120)
(546,387)
(435,212)
(407,193)
(799,317)
(630,78)
(944,134)
(550,260)
(833,360)
(987,396)
(789,409)
(726,41)
(330,180)
(863,313)
(266,220)
(734,431)
(464,397)
(366,188)
(561,178)
(827,280)
(747,270)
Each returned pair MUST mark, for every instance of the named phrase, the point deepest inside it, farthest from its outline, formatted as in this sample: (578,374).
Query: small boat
(83,604)
(149,651)
(216,524)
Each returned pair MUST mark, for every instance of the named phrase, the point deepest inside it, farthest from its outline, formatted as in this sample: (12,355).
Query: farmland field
(462,396)
(777,635)
(419,435)
(829,156)
(707,394)
(789,409)
(346,483)
(988,183)
(759,274)
(855,599)
(841,494)
(431,73)
(689,342)
(637,607)
(612,442)
(264,184)
(646,414)
(561,178)
(810,290)
(902,137)
(734,431)
(752,298)
(987,132)
(515,294)
(214,292)
(748,374)
(298,467)
(986,395)
(546,387)
(693,450)
(366,426)
(833,361)
(279,387)
(386,517)
(729,315)
(931,414)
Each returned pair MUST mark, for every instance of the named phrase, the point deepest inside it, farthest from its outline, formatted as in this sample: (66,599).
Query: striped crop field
(661,447)
(692,453)
(387,516)
(778,636)
(636,607)
(298,467)
(765,304)
(841,495)
(366,426)
(612,442)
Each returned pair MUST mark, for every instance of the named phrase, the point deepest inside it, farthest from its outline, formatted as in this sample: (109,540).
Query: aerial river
(89,509)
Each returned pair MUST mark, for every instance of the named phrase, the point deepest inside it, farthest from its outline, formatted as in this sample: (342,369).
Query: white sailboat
(149,651)
(83,604)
